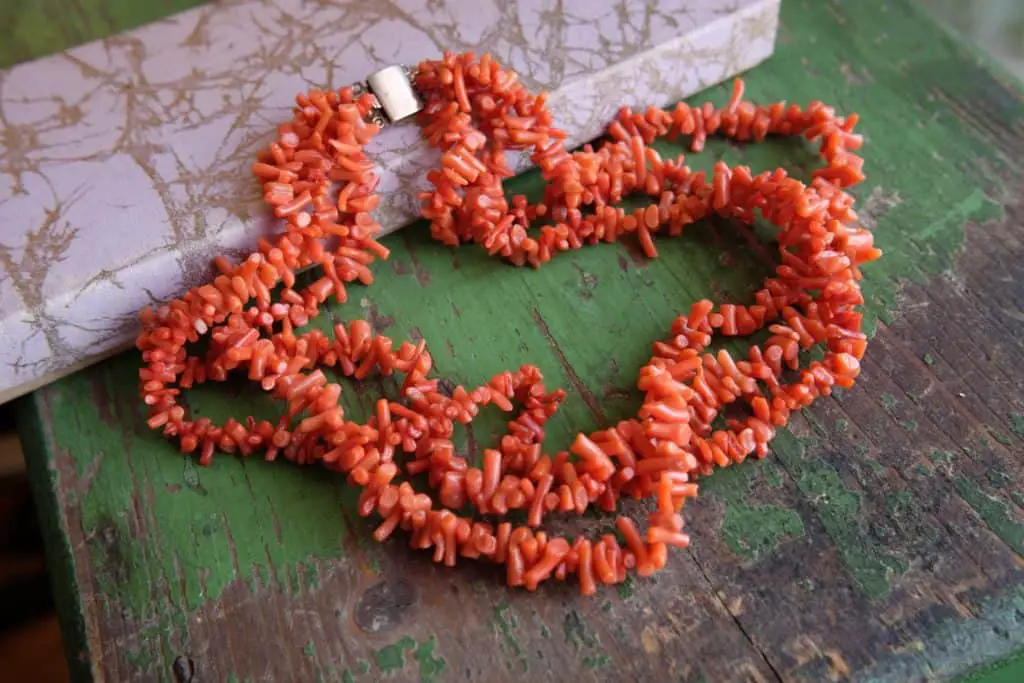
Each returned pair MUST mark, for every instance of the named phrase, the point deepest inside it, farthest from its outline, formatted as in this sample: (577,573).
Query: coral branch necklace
(321,185)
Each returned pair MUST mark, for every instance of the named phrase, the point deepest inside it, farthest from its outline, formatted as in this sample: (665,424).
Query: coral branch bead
(319,183)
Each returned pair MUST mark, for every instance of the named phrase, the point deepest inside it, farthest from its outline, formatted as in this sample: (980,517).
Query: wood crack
(588,396)
(735,619)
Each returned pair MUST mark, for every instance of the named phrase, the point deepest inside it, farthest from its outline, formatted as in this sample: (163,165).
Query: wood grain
(883,540)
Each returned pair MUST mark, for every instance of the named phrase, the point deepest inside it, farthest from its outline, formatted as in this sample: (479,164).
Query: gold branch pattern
(124,163)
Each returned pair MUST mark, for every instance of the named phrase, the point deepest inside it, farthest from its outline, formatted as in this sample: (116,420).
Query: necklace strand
(320,183)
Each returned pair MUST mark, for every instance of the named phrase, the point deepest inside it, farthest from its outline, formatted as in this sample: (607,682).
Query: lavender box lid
(124,163)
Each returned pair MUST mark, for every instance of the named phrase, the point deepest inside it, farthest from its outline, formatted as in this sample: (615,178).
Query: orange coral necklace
(318,180)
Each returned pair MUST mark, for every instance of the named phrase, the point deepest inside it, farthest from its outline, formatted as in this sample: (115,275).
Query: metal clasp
(392,86)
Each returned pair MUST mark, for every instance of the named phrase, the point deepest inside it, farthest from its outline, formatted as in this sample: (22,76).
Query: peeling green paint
(1006,671)
(577,632)
(599,660)
(392,657)
(957,645)
(1017,424)
(291,573)
(627,588)
(329,674)
(900,504)
(755,530)
(1000,437)
(506,622)
(999,478)
(224,521)
(310,575)
(430,666)
(994,512)
(839,510)
(752,530)
(772,474)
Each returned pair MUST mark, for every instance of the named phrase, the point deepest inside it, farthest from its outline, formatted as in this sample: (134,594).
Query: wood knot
(382,606)
(184,669)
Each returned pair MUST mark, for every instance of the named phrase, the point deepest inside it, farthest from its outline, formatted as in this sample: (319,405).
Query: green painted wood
(36,28)
(882,541)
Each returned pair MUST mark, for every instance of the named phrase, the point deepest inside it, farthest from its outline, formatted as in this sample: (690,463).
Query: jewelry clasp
(392,86)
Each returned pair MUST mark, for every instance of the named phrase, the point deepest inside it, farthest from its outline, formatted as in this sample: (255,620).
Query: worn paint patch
(1006,671)
(220,523)
(627,588)
(392,657)
(957,645)
(330,673)
(1017,424)
(994,512)
(752,531)
(507,624)
(900,504)
(599,660)
(839,510)
(999,478)
(430,664)
(577,632)
(755,530)
(1000,437)
(772,474)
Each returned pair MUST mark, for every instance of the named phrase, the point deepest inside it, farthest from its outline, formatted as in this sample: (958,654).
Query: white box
(124,163)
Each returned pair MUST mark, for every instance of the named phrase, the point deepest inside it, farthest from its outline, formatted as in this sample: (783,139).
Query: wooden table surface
(882,540)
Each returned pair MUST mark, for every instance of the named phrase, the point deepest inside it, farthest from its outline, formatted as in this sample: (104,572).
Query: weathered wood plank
(883,540)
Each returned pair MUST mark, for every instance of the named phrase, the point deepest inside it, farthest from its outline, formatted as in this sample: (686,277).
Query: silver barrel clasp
(392,86)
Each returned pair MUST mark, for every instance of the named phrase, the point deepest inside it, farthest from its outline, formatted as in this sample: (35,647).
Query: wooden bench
(881,541)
